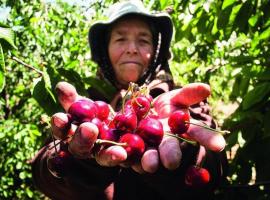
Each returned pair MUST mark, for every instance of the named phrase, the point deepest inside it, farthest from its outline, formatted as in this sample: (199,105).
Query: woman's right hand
(82,142)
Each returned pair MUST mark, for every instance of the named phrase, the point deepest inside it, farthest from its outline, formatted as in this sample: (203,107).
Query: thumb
(190,94)
(83,140)
(66,93)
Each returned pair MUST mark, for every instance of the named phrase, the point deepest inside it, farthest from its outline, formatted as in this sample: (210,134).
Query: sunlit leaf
(253,20)
(44,96)
(227,3)
(265,34)
(163,3)
(8,35)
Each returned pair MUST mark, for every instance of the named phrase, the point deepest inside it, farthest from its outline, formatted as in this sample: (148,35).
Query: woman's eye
(120,39)
(145,41)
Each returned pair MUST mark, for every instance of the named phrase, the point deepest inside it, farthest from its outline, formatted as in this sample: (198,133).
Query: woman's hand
(169,151)
(82,143)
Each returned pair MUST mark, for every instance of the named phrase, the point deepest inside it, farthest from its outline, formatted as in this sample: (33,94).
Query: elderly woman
(133,46)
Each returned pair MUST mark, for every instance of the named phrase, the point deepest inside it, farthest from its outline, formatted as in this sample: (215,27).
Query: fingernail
(113,157)
(58,122)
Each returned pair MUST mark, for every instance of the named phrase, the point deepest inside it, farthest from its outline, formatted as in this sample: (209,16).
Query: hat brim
(98,31)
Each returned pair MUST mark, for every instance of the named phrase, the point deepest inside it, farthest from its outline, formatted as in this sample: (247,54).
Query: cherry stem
(140,105)
(100,141)
(180,138)
(207,127)
(130,88)
(54,144)
(111,110)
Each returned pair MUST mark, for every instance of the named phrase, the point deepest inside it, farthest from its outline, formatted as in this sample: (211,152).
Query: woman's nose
(132,48)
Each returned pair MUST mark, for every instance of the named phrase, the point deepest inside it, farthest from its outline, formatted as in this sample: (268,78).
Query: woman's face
(130,49)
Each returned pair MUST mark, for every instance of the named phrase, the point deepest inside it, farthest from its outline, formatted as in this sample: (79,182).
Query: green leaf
(234,13)
(2,69)
(264,75)
(106,89)
(163,4)
(253,20)
(8,35)
(44,96)
(256,95)
(75,79)
(242,16)
(29,192)
(227,3)
(265,34)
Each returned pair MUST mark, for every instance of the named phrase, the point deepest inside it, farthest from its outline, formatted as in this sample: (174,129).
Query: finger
(137,167)
(83,140)
(150,161)
(60,124)
(111,156)
(190,94)
(208,138)
(201,155)
(181,98)
(66,93)
(170,152)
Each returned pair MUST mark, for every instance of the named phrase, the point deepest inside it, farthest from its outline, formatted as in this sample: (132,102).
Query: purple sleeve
(85,179)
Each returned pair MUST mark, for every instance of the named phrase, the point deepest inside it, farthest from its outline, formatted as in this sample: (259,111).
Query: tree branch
(27,65)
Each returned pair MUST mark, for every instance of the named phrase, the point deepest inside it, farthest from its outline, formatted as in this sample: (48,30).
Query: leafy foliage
(223,43)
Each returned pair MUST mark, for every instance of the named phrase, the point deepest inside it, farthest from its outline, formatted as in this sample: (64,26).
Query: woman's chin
(125,83)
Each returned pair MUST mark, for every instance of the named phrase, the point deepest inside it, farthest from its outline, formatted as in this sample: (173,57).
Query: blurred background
(222,43)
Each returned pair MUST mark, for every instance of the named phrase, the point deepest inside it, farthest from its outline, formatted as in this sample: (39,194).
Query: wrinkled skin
(168,153)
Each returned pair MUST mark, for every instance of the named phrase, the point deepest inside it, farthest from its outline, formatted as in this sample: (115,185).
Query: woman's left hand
(169,151)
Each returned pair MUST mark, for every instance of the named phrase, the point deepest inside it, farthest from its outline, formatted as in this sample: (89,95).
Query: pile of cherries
(135,127)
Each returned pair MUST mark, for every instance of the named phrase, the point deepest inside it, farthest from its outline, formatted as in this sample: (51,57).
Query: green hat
(161,21)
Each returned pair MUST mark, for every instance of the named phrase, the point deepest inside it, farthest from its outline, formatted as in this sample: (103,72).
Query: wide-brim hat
(97,32)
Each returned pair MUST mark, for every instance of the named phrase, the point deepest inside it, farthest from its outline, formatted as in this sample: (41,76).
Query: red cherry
(151,130)
(135,145)
(141,106)
(97,122)
(59,164)
(109,134)
(179,122)
(125,121)
(103,110)
(197,176)
(82,110)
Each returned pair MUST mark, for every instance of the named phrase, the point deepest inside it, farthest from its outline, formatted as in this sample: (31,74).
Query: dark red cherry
(97,122)
(103,110)
(141,106)
(125,121)
(82,110)
(197,176)
(59,163)
(151,130)
(179,122)
(135,145)
(109,134)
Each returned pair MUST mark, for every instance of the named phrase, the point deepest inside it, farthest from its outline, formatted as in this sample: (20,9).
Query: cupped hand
(169,152)
(83,137)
